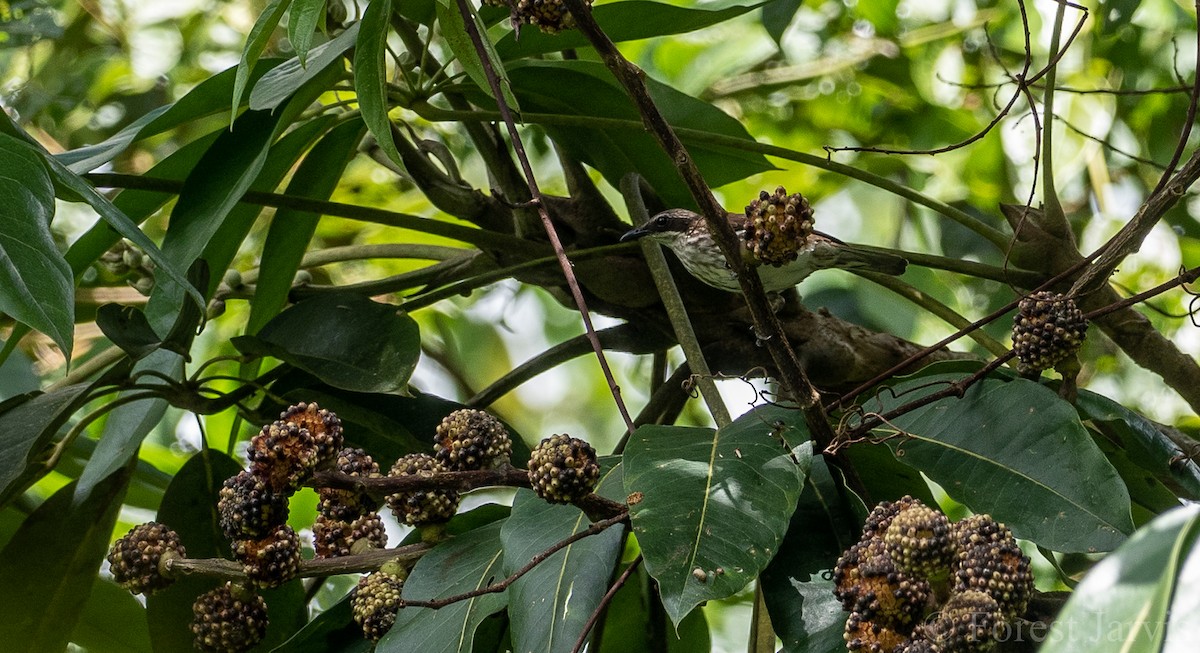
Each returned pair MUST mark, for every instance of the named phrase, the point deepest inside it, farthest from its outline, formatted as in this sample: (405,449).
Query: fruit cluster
(916,582)
(1047,330)
(550,16)
(778,226)
(347,521)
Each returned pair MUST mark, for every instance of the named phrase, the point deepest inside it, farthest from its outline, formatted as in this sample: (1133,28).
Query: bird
(686,233)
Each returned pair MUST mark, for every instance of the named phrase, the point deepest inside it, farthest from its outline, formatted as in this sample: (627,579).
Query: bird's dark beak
(634,234)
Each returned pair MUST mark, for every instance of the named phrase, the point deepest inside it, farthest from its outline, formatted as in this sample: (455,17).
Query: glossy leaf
(714,505)
(113,621)
(1128,602)
(347,341)
(454,29)
(302,25)
(49,566)
(549,606)
(583,90)
(370,75)
(278,85)
(797,584)
(470,561)
(622,21)
(1042,474)
(36,286)
(256,42)
(27,424)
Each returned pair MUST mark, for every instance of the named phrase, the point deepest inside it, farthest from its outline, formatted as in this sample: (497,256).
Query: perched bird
(784,256)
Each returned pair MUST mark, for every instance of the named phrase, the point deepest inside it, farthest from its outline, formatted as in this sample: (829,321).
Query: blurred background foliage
(801,74)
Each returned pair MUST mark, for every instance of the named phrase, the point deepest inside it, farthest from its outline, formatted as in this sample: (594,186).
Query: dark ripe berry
(134,558)
(249,508)
(550,16)
(421,507)
(864,635)
(375,602)
(229,619)
(918,541)
(272,560)
(847,573)
(976,530)
(470,439)
(346,505)
(998,569)
(563,469)
(334,538)
(324,427)
(777,226)
(882,515)
(1047,329)
(966,624)
(283,455)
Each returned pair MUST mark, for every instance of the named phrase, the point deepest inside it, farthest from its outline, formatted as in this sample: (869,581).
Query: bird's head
(669,227)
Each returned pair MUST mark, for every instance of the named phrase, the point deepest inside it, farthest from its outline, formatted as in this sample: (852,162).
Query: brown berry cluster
(376,600)
(563,469)
(346,519)
(777,226)
(550,16)
(421,507)
(253,505)
(1047,329)
(916,582)
(135,558)
(471,439)
(229,618)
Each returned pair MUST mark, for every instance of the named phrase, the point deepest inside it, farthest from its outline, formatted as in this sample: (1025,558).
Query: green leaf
(113,621)
(468,562)
(715,504)
(27,424)
(580,99)
(302,25)
(777,15)
(797,584)
(347,341)
(256,42)
(627,622)
(49,566)
(454,30)
(36,285)
(283,80)
(549,606)
(332,631)
(292,229)
(1137,594)
(370,75)
(128,328)
(622,21)
(1042,474)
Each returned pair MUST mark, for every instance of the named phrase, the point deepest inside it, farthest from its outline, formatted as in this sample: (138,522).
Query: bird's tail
(853,257)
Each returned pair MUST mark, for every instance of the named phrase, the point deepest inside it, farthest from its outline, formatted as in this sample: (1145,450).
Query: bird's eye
(660,221)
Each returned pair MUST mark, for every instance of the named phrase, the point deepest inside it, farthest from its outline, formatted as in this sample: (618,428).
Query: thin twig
(604,601)
(352,564)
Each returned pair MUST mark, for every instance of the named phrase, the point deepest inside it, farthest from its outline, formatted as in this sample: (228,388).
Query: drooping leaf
(1130,600)
(370,75)
(302,25)
(113,621)
(36,286)
(777,15)
(549,606)
(454,30)
(347,341)
(714,505)
(277,85)
(27,424)
(49,566)
(128,328)
(256,42)
(622,21)
(470,561)
(1014,450)
(796,585)
(332,631)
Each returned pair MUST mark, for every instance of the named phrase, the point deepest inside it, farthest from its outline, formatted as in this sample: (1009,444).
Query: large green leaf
(1143,597)
(36,286)
(622,21)
(467,562)
(278,85)
(27,424)
(302,25)
(549,606)
(48,567)
(347,341)
(797,584)
(370,75)
(113,621)
(256,42)
(582,97)
(454,30)
(1014,450)
(714,505)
